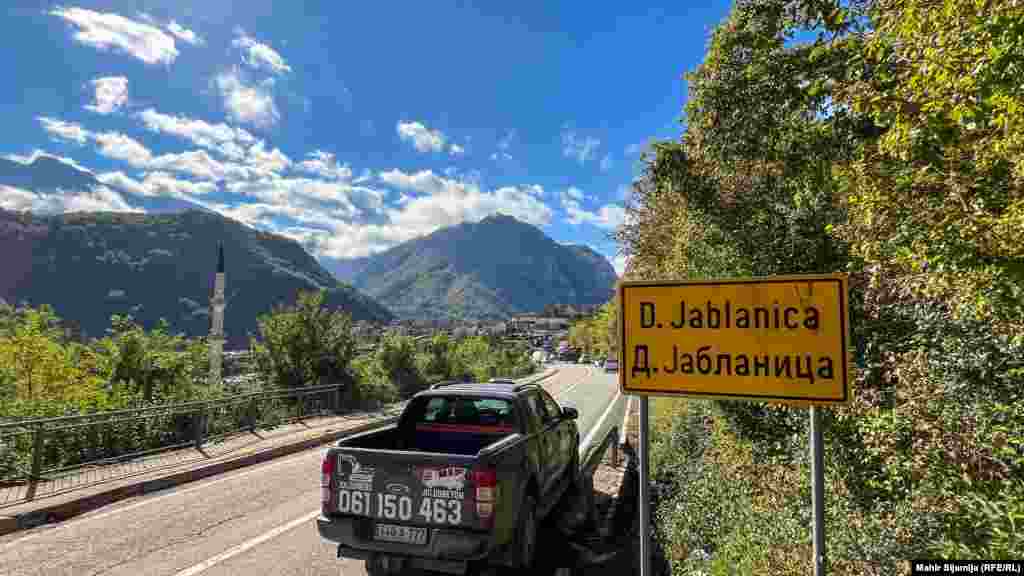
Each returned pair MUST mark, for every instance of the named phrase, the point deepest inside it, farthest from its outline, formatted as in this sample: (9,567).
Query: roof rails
(445,383)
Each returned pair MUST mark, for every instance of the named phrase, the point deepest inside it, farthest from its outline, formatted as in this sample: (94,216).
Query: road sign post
(780,339)
(645,513)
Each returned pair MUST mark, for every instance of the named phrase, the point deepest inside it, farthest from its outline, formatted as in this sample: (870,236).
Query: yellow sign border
(844,315)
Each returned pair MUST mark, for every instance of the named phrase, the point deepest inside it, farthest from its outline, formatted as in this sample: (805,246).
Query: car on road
(460,481)
(611,365)
(584,360)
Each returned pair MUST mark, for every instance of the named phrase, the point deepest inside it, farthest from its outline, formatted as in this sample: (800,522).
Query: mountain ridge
(90,265)
(452,274)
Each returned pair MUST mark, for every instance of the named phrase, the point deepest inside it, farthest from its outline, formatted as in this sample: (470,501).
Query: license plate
(403,534)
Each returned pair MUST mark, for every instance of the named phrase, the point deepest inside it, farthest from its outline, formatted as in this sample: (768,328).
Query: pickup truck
(458,483)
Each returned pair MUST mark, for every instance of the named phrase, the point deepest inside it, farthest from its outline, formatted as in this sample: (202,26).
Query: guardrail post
(198,424)
(37,452)
(251,416)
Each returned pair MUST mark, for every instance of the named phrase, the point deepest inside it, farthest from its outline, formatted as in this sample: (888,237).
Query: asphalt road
(257,520)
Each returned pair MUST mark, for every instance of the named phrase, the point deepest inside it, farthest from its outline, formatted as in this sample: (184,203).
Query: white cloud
(111,93)
(456,150)
(218,137)
(424,181)
(184,34)
(324,164)
(574,193)
(448,201)
(619,263)
(67,131)
(247,103)
(582,149)
(199,164)
(606,163)
(609,216)
(421,137)
(158,184)
(267,162)
(330,199)
(40,154)
(106,31)
(117,146)
(100,199)
(259,55)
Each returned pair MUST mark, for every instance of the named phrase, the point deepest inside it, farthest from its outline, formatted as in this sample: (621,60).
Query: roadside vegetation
(45,373)
(597,335)
(884,139)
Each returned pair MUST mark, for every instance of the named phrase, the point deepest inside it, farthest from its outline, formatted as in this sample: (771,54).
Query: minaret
(217,303)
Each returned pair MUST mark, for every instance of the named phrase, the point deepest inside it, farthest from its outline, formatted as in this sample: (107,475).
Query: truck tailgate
(403,495)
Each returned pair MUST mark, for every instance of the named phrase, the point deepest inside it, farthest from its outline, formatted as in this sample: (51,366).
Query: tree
(304,344)
(396,358)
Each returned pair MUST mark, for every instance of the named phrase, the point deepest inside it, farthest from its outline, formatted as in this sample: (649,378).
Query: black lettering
(742,318)
(695,318)
(803,371)
(775,315)
(794,325)
(641,349)
(782,366)
(825,368)
(675,361)
(727,361)
(686,367)
(714,316)
(645,309)
(728,316)
(682,316)
(742,365)
(761,366)
(811,321)
(703,360)
(760,317)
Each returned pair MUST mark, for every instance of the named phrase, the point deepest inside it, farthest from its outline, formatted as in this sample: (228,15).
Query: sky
(352,127)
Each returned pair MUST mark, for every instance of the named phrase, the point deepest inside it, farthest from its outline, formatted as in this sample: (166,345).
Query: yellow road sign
(779,339)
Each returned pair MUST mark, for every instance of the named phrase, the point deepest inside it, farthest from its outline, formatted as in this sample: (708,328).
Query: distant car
(611,366)
(598,362)
(584,360)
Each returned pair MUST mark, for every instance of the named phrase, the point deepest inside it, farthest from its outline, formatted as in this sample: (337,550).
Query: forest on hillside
(883,139)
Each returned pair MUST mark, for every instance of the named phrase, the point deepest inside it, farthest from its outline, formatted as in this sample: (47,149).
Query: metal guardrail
(36,449)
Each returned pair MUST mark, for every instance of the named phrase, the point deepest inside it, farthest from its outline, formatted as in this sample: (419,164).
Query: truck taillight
(486,481)
(326,473)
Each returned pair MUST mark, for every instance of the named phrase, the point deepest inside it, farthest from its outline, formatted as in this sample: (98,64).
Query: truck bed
(435,438)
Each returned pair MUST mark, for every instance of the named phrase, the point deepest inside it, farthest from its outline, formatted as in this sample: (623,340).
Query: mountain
(489,269)
(62,183)
(90,265)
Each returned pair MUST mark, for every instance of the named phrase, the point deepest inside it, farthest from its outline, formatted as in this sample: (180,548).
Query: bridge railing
(43,448)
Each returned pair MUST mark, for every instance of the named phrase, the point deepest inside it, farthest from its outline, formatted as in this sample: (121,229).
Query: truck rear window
(466,414)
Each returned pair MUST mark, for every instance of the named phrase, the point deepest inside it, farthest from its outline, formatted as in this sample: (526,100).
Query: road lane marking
(625,421)
(76,521)
(236,550)
(597,426)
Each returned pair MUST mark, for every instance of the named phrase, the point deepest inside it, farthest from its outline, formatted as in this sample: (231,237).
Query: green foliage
(156,365)
(396,358)
(890,148)
(304,344)
(597,336)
